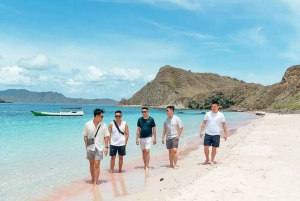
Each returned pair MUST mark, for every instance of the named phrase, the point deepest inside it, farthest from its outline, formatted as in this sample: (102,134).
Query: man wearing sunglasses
(172,129)
(119,134)
(97,130)
(145,129)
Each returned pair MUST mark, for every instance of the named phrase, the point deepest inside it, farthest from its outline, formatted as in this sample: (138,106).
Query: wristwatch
(106,147)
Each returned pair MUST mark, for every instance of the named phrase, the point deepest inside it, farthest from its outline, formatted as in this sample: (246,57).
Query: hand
(137,142)
(225,137)
(201,135)
(154,141)
(163,141)
(105,151)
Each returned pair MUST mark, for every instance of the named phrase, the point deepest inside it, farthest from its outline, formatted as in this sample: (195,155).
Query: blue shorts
(113,150)
(212,140)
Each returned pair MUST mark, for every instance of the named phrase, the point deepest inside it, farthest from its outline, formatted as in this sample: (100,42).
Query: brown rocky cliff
(183,88)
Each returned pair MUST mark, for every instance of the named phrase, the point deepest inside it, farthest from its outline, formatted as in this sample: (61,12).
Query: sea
(40,156)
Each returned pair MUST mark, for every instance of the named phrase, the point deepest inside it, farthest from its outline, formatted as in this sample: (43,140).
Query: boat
(64,111)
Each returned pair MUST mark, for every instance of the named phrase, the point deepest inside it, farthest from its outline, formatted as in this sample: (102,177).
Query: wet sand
(134,182)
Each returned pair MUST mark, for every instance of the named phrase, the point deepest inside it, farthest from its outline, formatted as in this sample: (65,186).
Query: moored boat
(71,111)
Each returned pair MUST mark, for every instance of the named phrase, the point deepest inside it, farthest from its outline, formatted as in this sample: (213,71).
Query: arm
(225,130)
(179,132)
(106,140)
(85,141)
(84,132)
(163,136)
(110,131)
(138,131)
(154,134)
(202,128)
(126,134)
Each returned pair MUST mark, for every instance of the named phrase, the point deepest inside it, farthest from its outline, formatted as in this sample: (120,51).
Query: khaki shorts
(94,155)
(172,143)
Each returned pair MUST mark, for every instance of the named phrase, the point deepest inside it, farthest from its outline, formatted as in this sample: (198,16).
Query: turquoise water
(40,154)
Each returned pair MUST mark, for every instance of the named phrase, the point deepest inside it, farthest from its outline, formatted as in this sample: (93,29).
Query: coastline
(124,186)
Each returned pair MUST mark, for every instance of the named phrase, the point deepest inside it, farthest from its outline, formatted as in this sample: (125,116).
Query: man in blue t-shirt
(145,130)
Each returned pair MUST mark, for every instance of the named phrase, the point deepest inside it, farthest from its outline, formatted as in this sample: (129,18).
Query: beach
(259,162)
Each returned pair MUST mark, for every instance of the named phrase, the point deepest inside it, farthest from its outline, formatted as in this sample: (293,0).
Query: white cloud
(250,37)
(91,75)
(39,62)
(125,74)
(179,32)
(43,78)
(14,75)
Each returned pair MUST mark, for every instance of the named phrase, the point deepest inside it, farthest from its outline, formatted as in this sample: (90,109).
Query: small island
(2,101)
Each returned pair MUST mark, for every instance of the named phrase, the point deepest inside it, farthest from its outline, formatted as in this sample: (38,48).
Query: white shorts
(145,143)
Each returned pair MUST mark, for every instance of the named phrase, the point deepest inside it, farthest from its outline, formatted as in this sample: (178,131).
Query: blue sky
(111,48)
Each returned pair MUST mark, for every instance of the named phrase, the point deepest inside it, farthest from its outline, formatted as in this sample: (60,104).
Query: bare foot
(175,167)
(146,169)
(120,171)
(212,163)
(206,162)
(111,171)
(95,183)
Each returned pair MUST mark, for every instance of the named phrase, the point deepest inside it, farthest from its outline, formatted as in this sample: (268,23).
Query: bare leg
(112,163)
(175,152)
(213,155)
(120,163)
(147,158)
(144,157)
(206,152)
(97,171)
(92,169)
(171,157)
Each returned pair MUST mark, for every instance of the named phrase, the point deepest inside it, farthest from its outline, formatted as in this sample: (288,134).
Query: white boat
(64,111)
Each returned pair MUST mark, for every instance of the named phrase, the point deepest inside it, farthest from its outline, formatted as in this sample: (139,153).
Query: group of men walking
(98,138)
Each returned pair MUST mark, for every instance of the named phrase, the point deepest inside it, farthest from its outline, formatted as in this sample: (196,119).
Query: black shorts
(212,140)
(113,150)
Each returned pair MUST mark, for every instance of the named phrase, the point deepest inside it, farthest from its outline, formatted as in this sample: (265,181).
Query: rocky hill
(2,101)
(25,96)
(186,89)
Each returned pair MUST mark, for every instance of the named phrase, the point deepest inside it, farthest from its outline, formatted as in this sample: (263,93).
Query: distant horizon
(132,94)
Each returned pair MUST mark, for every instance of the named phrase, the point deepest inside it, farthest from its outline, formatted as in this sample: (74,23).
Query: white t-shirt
(116,138)
(89,130)
(214,123)
(172,126)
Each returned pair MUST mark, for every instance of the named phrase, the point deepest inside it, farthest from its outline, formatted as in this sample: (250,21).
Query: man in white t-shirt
(119,134)
(97,130)
(172,129)
(213,123)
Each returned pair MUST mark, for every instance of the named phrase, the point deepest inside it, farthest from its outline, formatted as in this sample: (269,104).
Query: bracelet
(106,147)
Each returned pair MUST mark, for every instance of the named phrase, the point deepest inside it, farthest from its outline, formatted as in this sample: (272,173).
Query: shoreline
(158,168)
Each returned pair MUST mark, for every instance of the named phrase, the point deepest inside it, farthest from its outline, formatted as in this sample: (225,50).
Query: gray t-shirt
(172,126)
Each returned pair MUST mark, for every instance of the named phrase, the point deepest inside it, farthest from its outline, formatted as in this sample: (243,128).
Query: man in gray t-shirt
(172,130)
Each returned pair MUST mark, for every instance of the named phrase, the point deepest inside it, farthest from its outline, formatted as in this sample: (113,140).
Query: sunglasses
(144,111)
(101,116)
(167,110)
(118,116)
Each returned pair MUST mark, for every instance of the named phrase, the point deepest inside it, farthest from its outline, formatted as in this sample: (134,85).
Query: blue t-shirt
(146,126)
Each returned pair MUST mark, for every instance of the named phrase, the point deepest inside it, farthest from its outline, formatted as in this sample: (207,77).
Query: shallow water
(41,155)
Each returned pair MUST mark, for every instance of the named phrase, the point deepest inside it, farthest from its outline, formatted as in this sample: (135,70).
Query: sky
(112,48)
